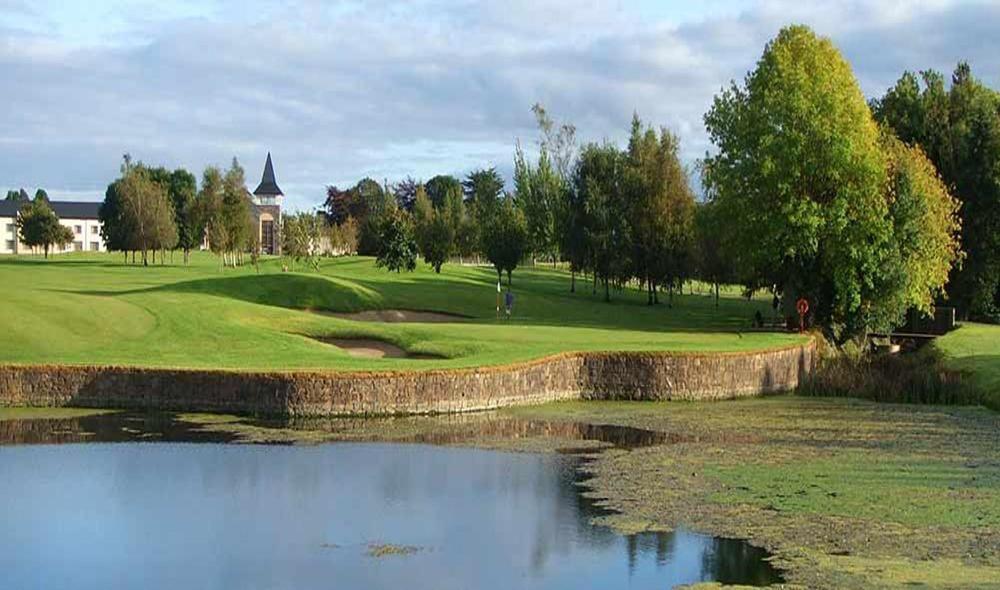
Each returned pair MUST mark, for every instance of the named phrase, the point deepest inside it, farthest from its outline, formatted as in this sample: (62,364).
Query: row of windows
(77,229)
(77,246)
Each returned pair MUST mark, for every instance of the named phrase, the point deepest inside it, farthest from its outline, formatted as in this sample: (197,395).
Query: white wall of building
(8,235)
(86,237)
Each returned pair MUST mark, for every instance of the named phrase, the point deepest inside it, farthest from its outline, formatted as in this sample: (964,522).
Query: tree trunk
(594,288)
(716,295)
(187,255)
(607,291)
(572,281)
(508,279)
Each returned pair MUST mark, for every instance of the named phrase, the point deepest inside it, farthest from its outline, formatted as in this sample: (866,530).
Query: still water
(342,515)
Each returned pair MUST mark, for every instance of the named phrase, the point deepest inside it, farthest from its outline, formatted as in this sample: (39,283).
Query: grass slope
(93,309)
(975,349)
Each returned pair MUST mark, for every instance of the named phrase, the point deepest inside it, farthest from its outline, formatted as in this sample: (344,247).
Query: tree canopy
(799,178)
(38,226)
(397,248)
(958,128)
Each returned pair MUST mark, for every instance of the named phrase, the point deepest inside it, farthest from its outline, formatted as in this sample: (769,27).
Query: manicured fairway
(93,309)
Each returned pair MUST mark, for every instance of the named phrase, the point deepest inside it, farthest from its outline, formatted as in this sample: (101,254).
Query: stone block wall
(619,376)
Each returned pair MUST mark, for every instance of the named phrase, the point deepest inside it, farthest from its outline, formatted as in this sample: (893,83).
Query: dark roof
(9,208)
(63,209)
(76,209)
(268,185)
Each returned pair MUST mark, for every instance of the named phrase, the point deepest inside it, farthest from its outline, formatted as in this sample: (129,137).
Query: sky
(337,91)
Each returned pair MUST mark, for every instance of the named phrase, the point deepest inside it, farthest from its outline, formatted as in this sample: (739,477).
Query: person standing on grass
(508,300)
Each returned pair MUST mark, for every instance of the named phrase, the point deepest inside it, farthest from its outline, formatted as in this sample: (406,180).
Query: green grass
(93,309)
(975,350)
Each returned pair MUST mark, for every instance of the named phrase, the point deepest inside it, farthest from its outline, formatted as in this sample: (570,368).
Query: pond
(340,515)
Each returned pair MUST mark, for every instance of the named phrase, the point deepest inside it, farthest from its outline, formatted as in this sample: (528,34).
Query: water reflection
(114,427)
(235,516)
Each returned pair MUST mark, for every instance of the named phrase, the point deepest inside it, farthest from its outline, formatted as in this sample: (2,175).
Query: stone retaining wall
(621,375)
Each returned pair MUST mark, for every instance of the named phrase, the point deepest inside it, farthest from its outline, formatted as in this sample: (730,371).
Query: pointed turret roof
(268,185)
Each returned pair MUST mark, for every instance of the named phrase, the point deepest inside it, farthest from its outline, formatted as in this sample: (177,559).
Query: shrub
(919,377)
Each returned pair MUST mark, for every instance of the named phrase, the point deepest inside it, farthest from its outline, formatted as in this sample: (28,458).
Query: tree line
(151,209)
(864,209)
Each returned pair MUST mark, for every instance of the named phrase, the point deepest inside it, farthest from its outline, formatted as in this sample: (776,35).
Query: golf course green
(94,309)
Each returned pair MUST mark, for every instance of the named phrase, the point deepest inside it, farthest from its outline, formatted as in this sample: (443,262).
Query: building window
(267,237)
(94,246)
(78,246)
(77,229)
(10,228)
(96,229)
(10,245)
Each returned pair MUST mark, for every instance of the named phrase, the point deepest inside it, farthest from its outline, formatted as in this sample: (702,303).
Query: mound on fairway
(93,309)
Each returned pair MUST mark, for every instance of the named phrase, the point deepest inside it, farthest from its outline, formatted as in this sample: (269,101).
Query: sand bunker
(397,315)
(372,349)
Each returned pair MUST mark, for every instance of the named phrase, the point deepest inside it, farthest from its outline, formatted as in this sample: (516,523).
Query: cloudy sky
(340,90)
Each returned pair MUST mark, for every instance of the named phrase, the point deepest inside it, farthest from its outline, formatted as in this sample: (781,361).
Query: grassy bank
(974,349)
(961,368)
(93,309)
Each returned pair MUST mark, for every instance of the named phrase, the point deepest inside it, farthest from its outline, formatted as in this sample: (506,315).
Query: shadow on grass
(54,261)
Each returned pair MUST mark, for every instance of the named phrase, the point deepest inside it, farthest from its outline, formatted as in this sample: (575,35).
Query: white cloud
(390,89)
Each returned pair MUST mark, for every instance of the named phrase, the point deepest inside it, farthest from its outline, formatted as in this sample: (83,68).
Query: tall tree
(925,232)
(41,195)
(799,178)
(714,264)
(440,186)
(405,192)
(38,226)
(300,238)
(959,130)
(237,216)
(598,203)
(483,188)
(373,202)
(505,237)
(114,224)
(209,206)
(181,191)
(660,209)
(146,211)
(397,246)
(539,191)
(339,205)
(433,229)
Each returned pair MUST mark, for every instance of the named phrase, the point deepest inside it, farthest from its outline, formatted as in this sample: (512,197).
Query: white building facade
(79,216)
